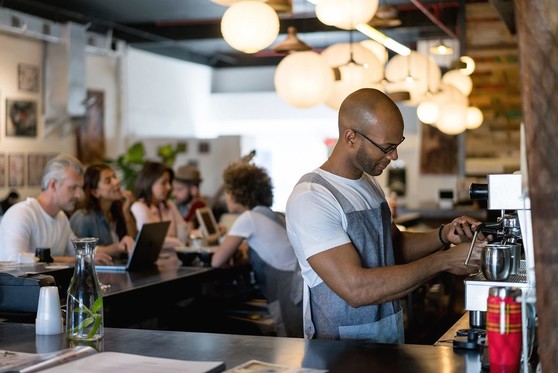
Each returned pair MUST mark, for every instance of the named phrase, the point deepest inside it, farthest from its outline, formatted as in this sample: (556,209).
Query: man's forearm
(416,245)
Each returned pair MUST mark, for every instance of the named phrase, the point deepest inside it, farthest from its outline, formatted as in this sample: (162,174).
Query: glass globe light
(250,26)
(474,118)
(341,89)
(303,79)
(378,49)
(460,81)
(417,73)
(339,54)
(428,111)
(450,94)
(469,65)
(346,14)
(452,118)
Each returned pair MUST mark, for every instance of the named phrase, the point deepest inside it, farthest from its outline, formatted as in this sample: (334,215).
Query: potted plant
(131,162)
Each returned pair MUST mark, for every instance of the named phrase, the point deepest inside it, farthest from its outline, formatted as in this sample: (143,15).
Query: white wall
(26,51)
(289,142)
(102,74)
(165,97)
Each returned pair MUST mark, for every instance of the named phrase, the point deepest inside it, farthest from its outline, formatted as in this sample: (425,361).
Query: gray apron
(329,316)
(282,289)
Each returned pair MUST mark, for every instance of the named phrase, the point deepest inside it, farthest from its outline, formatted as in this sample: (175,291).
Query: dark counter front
(134,297)
(233,350)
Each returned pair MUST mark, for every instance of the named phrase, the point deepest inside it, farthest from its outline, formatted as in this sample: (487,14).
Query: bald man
(355,262)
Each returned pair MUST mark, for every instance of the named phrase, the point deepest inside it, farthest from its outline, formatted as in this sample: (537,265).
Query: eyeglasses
(387,150)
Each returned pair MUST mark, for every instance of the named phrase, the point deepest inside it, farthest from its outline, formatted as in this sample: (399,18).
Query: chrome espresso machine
(506,192)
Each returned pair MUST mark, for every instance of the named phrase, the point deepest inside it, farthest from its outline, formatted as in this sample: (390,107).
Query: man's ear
(349,137)
(52,184)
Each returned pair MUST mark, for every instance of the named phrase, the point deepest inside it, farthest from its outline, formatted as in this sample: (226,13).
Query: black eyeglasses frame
(387,150)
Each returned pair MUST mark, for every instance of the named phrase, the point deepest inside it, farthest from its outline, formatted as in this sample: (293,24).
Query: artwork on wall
(36,162)
(90,133)
(28,77)
(438,152)
(2,170)
(15,169)
(21,118)
(203,147)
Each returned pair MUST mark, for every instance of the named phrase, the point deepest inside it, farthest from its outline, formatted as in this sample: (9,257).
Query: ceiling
(190,29)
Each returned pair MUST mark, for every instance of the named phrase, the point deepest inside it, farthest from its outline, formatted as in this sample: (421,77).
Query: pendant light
(291,43)
(355,67)
(441,49)
(346,14)
(250,26)
(303,79)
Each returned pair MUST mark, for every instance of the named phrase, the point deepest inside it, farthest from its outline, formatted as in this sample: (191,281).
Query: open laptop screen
(147,248)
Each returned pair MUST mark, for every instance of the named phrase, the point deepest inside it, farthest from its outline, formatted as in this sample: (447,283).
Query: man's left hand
(460,230)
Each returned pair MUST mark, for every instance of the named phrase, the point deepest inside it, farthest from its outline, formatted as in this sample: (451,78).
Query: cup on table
(49,313)
(43,253)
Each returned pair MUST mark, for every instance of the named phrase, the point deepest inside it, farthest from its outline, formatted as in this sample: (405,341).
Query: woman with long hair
(105,212)
(153,187)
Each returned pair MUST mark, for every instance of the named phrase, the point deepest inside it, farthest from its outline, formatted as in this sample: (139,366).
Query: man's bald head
(362,107)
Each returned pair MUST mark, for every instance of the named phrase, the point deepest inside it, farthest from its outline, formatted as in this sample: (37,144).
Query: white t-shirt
(169,212)
(267,238)
(26,226)
(316,221)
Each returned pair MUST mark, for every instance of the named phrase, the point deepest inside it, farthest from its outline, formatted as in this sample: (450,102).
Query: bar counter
(233,350)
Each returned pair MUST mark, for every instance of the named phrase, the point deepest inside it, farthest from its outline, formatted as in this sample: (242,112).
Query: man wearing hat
(186,193)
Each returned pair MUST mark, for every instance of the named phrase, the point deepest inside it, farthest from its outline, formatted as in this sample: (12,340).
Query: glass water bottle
(84,305)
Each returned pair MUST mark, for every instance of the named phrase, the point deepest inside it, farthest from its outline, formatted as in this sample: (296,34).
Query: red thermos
(503,329)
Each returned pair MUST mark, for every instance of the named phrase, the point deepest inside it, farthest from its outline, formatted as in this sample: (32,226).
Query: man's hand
(460,230)
(456,256)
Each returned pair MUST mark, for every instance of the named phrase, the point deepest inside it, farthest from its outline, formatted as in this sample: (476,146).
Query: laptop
(208,224)
(147,248)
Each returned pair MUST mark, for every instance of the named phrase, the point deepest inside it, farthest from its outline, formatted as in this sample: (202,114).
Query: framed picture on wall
(16,169)
(28,77)
(90,134)
(2,170)
(203,147)
(438,152)
(36,162)
(21,118)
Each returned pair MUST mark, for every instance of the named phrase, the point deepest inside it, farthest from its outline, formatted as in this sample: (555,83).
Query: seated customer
(248,192)
(41,222)
(11,199)
(105,212)
(186,193)
(153,187)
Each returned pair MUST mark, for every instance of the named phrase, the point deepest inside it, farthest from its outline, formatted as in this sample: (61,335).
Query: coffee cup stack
(49,313)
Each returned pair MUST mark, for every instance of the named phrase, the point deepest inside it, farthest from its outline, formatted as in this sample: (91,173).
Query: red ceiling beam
(420,6)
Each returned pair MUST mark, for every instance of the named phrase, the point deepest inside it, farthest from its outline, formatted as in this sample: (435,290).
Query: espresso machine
(503,192)
(506,192)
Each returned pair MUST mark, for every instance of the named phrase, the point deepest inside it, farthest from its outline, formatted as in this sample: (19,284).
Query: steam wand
(477,230)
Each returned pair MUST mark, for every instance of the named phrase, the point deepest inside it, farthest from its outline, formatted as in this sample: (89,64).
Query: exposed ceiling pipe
(420,6)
